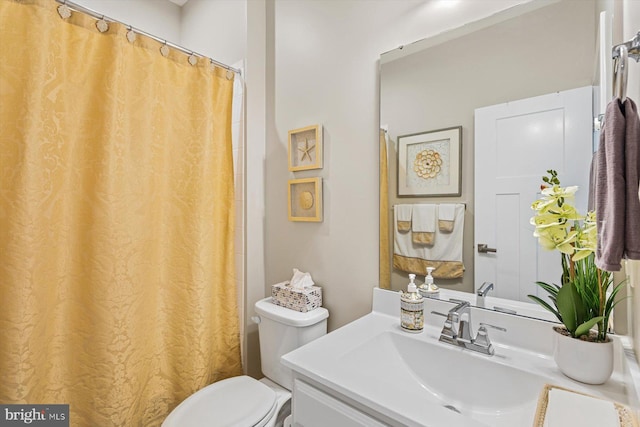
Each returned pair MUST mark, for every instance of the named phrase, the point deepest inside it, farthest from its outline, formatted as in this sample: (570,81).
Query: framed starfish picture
(305,148)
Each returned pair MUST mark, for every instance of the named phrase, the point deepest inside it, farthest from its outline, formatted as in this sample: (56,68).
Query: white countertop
(344,361)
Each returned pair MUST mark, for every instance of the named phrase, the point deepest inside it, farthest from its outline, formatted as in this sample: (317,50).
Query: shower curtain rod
(94,14)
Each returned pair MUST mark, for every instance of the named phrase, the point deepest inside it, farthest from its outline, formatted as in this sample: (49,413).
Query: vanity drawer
(314,408)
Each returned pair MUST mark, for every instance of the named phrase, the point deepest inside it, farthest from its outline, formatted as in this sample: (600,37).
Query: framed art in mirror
(429,163)
(305,199)
(305,148)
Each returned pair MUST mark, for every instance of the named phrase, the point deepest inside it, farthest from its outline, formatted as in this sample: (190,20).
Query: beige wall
(215,28)
(326,74)
(161,19)
(258,98)
(441,86)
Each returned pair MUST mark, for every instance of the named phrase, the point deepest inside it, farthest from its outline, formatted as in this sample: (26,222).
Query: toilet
(244,401)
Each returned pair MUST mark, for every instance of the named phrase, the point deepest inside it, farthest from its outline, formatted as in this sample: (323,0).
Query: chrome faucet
(482,292)
(455,326)
(457,329)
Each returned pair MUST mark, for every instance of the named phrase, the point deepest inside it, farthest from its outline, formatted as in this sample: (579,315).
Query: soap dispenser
(411,308)
(429,289)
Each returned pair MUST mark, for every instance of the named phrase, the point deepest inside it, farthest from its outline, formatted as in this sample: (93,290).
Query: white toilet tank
(282,330)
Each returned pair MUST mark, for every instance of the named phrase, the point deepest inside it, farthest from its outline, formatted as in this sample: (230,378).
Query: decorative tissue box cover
(302,300)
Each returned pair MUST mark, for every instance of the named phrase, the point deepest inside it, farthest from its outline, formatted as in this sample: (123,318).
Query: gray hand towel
(618,175)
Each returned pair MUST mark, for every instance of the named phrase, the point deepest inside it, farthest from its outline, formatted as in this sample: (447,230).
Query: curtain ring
(102,25)
(64,11)
(131,35)
(193,60)
(164,49)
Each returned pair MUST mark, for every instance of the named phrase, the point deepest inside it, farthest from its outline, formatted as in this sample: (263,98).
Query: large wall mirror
(534,49)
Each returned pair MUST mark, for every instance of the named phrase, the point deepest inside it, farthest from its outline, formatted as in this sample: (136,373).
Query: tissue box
(302,300)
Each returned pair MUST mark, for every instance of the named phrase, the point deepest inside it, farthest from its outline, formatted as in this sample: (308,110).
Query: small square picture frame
(305,199)
(305,148)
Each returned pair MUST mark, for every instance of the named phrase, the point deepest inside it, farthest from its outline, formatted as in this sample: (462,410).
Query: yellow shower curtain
(117,288)
(385,254)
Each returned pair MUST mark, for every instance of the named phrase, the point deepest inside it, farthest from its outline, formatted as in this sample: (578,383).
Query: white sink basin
(473,385)
(469,384)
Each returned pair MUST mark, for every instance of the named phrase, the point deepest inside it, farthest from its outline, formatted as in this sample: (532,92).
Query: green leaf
(584,328)
(570,307)
(610,301)
(545,305)
(550,288)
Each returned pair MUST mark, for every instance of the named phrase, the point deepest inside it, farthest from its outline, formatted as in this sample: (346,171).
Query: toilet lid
(238,401)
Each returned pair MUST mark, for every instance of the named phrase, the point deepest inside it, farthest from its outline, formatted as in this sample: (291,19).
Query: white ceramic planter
(587,362)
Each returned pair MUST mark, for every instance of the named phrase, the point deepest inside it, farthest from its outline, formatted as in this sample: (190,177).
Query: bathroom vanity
(372,373)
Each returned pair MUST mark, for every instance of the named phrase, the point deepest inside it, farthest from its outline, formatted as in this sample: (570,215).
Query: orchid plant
(580,302)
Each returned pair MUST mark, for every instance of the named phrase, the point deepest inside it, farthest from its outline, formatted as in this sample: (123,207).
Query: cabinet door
(314,408)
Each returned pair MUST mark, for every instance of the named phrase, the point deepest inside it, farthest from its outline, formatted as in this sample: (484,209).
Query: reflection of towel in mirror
(446,216)
(403,217)
(445,255)
(423,224)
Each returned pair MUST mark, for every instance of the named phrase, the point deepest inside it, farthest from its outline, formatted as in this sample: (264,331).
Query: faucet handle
(504,310)
(449,329)
(500,328)
(482,338)
(451,317)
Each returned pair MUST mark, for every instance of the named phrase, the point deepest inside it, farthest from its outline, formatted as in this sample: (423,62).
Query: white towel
(566,408)
(403,212)
(446,217)
(403,215)
(423,219)
(447,246)
(446,211)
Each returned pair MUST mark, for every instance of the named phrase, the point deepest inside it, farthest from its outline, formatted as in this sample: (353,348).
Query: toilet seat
(237,401)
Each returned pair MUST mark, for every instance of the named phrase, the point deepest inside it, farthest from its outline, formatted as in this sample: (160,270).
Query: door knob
(483,248)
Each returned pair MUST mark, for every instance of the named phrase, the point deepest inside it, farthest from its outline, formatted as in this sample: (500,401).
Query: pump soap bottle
(429,289)
(411,308)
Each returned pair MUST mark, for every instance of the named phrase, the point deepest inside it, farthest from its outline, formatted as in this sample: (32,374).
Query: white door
(515,144)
